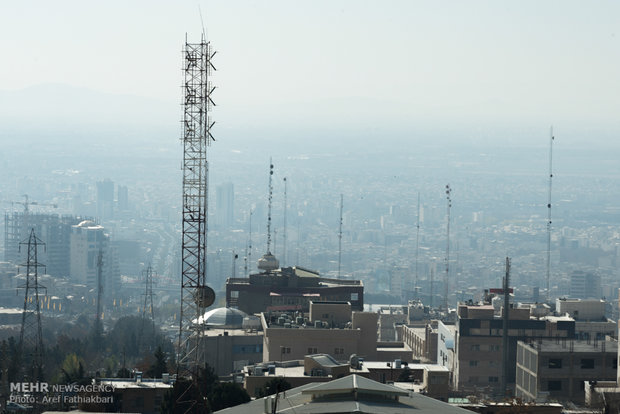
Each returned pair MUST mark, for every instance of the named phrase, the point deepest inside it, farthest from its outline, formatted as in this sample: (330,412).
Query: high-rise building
(87,240)
(585,285)
(105,199)
(224,205)
(123,198)
(52,229)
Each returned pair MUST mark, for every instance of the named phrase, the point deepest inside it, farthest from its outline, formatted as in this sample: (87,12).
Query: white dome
(223,318)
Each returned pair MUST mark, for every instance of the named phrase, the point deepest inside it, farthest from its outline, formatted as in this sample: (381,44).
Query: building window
(614,363)
(587,363)
(554,385)
(312,351)
(338,351)
(473,363)
(354,296)
(493,347)
(493,379)
(234,294)
(475,347)
(555,363)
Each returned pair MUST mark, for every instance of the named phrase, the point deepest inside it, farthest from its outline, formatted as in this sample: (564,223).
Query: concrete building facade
(559,369)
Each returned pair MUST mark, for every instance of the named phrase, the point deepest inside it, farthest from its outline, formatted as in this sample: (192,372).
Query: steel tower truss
(195,295)
(31,337)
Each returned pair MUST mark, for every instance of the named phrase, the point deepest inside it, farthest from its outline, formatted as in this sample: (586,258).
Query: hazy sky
(359,63)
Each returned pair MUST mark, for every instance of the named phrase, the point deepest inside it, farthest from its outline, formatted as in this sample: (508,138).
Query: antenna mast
(449,205)
(269,262)
(284,234)
(549,215)
(340,236)
(417,250)
(505,362)
(31,336)
(249,255)
(195,294)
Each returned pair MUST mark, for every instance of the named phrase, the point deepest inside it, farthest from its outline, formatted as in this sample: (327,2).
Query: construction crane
(27,203)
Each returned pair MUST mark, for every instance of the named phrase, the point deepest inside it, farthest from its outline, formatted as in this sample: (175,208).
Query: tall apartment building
(585,285)
(87,240)
(105,199)
(224,205)
(54,230)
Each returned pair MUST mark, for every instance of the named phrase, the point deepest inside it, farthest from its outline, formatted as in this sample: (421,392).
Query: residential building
(558,369)
(478,358)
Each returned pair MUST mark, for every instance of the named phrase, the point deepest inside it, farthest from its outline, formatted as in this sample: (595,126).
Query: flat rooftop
(552,346)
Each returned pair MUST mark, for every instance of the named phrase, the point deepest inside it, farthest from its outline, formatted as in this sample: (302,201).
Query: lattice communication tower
(195,294)
(31,337)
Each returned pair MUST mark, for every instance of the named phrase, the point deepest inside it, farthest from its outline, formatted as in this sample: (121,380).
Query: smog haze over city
(384,103)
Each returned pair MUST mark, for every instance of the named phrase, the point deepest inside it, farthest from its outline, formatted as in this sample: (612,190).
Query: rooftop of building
(349,394)
(299,272)
(561,346)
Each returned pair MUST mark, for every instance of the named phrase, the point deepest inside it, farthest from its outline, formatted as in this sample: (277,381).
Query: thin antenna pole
(284,233)
(505,328)
(449,205)
(249,244)
(549,215)
(340,236)
(269,206)
(417,250)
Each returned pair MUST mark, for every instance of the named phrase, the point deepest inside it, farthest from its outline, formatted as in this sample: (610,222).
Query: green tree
(72,369)
(159,366)
(227,394)
(273,386)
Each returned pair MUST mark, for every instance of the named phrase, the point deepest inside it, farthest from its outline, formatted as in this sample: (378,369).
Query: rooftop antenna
(340,236)
(449,205)
(506,318)
(249,244)
(269,262)
(417,249)
(549,214)
(284,231)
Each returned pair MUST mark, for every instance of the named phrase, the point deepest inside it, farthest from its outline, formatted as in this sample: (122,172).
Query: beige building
(478,347)
(331,329)
(558,369)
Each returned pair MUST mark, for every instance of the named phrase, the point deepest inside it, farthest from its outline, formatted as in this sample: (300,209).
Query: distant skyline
(333,65)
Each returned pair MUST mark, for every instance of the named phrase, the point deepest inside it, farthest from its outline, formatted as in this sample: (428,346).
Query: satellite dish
(204,296)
